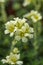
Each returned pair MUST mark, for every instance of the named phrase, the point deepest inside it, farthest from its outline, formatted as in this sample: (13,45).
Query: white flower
(34,15)
(17,37)
(19,28)
(10,28)
(19,22)
(3,60)
(24,39)
(31,30)
(26,2)
(2,0)
(13,26)
(15,50)
(30,36)
(24,33)
(12,59)
(14,42)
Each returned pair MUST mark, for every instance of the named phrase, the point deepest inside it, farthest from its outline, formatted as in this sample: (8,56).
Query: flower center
(14,59)
(19,25)
(36,17)
(22,34)
(11,28)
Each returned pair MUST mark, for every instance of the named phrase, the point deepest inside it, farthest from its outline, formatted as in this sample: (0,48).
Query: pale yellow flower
(14,42)
(10,28)
(12,59)
(24,32)
(2,0)
(26,2)
(19,22)
(34,15)
(13,26)
(19,28)
(15,50)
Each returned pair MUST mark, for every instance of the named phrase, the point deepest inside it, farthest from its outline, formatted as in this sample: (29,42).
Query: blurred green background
(14,8)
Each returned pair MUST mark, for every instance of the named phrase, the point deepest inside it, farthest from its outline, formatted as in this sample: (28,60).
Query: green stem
(35,37)
(13,44)
(37,6)
(3,13)
(37,31)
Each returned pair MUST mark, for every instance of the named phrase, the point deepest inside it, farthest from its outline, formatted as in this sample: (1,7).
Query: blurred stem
(37,31)
(39,28)
(3,13)
(35,36)
(37,4)
(13,44)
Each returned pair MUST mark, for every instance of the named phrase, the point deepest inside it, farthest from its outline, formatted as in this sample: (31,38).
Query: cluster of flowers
(33,15)
(13,58)
(20,29)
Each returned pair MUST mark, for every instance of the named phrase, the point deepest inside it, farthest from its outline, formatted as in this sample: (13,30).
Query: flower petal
(17,38)
(11,34)
(19,62)
(24,39)
(6,31)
